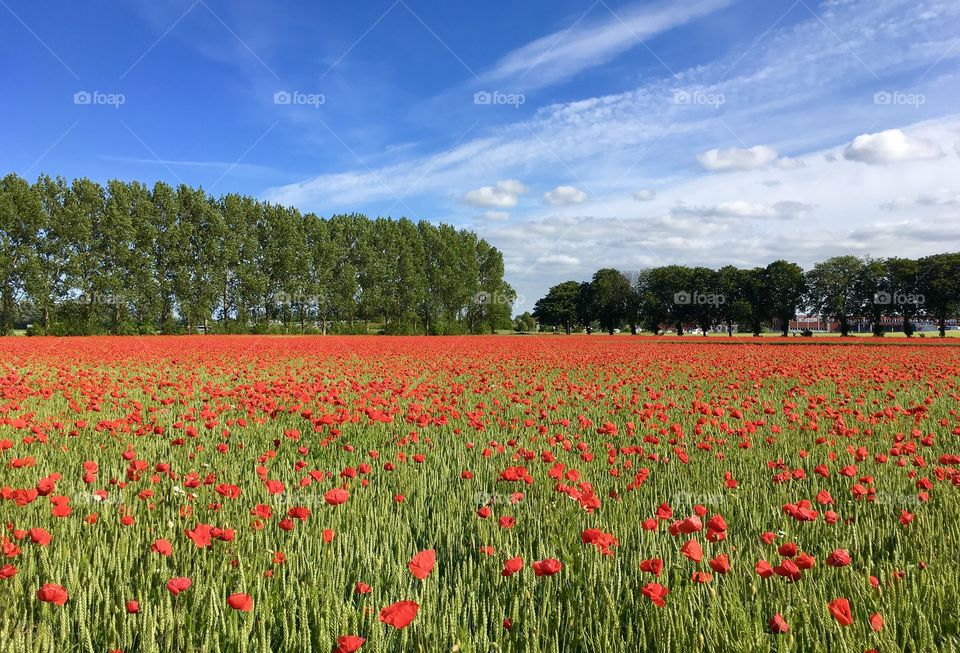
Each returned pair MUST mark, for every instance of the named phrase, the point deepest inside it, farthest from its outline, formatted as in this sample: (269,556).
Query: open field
(478,494)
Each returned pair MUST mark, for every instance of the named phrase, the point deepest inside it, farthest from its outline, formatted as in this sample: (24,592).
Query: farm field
(475,494)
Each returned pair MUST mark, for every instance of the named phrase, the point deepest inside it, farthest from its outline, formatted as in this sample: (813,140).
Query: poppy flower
(876,622)
(778,625)
(40,536)
(361,588)
(7,571)
(692,550)
(512,566)
(133,607)
(652,566)
(349,644)
(53,593)
(720,564)
(702,577)
(177,585)
(240,602)
(839,558)
(422,564)
(400,614)
(656,592)
(547,567)
(336,496)
(840,610)
(201,535)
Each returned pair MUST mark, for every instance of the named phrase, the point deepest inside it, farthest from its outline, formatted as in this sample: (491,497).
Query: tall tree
(559,306)
(611,295)
(833,289)
(785,290)
(939,282)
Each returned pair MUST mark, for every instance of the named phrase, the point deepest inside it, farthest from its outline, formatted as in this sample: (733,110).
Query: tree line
(80,258)
(843,289)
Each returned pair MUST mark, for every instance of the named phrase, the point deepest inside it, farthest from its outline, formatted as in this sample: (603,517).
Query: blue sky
(571,134)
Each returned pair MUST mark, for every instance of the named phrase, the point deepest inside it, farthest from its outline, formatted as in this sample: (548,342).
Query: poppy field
(231,493)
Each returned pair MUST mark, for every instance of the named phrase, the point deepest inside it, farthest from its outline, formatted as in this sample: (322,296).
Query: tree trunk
(729,329)
(943,326)
(906,327)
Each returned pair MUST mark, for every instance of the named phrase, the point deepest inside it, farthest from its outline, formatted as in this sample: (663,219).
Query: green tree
(559,307)
(939,283)
(785,290)
(833,289)
(610,293)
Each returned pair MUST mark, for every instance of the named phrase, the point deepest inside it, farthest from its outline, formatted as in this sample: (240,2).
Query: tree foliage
(77,258)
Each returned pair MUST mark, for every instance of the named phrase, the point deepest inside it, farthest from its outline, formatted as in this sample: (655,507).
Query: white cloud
(890,146)
(737,158)
(644,195)
(742,209)
(788,163)
(565,195)
(937,198)
(501,195)
(496,216)
(559,259)
(588,42)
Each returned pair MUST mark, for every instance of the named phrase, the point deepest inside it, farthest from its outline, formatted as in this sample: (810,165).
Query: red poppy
(692,550)
(177,585)
(400,614)
(512,566)
(547,567)
(240,602)
(133,607)
(201,535)
(53,593)
(839,558)
(876,621)
(349,644)
(778,625)
(336,496)
(656,592)
(39,536)
(840,610)
(422,564)
(361,588)
(653,566)
(720,564)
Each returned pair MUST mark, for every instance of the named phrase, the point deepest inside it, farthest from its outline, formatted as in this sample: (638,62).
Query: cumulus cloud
(644,195)
(890,146)
(737,158)
(939,197)
(503,194)
(559,259)
(741,209)
(565,195)
(496,216)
